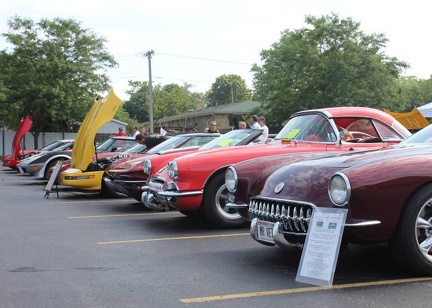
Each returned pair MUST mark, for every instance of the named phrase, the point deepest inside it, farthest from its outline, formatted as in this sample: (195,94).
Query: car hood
(23,128)
(308,180)
(102,111)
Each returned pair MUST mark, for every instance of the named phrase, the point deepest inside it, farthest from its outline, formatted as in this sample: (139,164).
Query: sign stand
(321,249)
(53,179)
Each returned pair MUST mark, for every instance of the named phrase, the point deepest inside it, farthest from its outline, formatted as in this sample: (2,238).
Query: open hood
(23,128)
(102,111)
(412,120)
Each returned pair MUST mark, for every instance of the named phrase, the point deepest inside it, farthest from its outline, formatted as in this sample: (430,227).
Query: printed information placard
(321,249)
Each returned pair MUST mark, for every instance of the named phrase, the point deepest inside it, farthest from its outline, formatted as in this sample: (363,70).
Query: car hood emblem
(279,187)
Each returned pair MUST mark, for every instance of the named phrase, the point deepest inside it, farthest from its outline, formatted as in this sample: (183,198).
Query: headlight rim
(147,166)
(233,187)
(172,170)
(347,184)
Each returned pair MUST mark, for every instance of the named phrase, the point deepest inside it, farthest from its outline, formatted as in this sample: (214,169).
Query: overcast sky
(195,41)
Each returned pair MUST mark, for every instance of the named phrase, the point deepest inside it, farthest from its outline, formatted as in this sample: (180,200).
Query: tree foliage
(228,89)
(53,72)
(168,100)
(330,62)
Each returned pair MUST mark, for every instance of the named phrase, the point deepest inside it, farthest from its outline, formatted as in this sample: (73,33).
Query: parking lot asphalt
(78,250)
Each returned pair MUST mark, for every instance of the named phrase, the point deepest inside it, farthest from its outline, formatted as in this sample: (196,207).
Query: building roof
(233,108)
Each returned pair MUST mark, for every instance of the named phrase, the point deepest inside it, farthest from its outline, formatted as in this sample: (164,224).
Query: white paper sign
(321,249)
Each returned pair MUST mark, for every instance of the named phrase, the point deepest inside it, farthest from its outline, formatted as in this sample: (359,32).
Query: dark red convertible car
(387,194)
(195,183)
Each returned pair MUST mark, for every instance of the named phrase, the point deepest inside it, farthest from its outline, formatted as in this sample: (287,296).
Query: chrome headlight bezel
(231,179)
(147,167)
(172,170)
(339,189)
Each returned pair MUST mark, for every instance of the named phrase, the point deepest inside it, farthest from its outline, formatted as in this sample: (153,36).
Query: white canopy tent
(426,110)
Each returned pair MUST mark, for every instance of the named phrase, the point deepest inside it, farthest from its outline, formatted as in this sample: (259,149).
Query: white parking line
(198,237)
(123,215)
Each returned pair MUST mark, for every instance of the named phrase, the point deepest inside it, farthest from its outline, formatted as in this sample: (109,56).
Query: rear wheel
(412,242)
(214,206)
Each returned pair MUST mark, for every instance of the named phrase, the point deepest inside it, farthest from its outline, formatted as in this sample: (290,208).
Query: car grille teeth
(156,184)
(292,216)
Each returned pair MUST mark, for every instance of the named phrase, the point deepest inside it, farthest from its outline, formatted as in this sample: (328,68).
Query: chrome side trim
(172,194)
(237,205)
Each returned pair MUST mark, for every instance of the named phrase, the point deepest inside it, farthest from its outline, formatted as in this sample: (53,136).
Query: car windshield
(422,136)
(65,146)
(231,138)
(138,148)
(54,145)
(116,145)
(182,141)
(309,127)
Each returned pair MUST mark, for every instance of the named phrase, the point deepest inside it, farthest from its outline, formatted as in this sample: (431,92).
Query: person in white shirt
(135,131)
(253,122)
(263,126)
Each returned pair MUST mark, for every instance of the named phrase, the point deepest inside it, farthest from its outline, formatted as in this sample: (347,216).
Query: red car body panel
(13,159)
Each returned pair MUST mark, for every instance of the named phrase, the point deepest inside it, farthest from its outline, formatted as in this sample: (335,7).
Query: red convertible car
(387,194)
(195,183)
(126,177)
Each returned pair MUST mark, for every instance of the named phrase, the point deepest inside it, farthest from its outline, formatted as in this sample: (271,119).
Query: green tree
(330,62)
(138,104)
(54,71)
(168,100)
(228,89)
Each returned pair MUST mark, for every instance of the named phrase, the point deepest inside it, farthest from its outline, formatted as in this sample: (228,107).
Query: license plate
(265,231)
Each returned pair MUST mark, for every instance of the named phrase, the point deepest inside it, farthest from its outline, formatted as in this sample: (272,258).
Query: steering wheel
(344,134)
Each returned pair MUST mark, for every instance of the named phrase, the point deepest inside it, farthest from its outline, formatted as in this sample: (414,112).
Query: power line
(204,59)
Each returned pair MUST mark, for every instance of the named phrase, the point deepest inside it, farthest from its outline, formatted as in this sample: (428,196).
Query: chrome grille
(156,184)
(293,216)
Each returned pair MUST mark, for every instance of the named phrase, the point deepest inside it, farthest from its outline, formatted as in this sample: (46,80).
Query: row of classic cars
(195,183)
(332,157)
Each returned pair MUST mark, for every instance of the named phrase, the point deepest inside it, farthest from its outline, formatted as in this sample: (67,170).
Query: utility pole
(149,54)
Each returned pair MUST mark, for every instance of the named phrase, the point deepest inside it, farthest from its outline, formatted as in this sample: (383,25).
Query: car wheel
(108,193)
(412,242)
(50,165)
(214,207)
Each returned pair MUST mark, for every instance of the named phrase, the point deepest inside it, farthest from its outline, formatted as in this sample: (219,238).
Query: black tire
(412,242)
(213,207)
(50,165)
(108,193)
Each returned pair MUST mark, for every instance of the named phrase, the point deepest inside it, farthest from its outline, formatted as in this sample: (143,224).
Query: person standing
(143,130)
(213,128)
(150,142)
(135,131)
(120,132)
(253,122)
(242,125)
(263,126)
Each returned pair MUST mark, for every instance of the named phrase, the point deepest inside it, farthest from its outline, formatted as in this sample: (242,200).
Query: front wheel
(412,242)
(214,206)
(49,168)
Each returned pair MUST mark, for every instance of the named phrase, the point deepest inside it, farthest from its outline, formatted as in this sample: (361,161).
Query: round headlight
(231,179)
(147,166)
(339,189)
(172,169)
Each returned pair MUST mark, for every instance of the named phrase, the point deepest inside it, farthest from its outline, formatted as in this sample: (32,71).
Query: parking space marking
(302,290)
(197,237)
(123,215)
